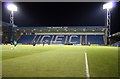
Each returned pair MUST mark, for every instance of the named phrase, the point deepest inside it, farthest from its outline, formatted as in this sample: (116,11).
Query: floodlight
(108,5)
(12,7)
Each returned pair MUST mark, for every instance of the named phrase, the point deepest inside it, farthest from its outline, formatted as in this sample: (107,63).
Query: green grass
(0,61)
(103,61)
(59,61)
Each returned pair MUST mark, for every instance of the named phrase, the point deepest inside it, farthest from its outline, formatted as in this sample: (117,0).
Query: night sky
(62,13)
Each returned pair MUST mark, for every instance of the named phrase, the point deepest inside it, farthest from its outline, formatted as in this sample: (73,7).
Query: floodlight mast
(108,21)
(108,7)
(12,17)
(12,8)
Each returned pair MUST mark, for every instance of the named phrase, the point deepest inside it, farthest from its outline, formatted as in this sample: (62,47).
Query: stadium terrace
(61,34)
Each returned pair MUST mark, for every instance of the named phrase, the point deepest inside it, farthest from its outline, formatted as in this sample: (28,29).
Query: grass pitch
(59,61)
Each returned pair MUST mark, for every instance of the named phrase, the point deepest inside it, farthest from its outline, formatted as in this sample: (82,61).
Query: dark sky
(62,13)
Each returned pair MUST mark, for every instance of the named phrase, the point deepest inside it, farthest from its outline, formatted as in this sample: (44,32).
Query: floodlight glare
(108,5)
(12,7)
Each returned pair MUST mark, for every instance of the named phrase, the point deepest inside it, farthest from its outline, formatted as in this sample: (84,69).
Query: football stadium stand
(62,35)
(115,39)
(61,39)
(84,35)
(116,44)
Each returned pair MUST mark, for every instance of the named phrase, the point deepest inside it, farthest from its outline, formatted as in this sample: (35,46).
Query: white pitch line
(87,69)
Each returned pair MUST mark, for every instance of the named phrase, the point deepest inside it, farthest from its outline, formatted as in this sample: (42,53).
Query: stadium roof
(62,27)
(7,24)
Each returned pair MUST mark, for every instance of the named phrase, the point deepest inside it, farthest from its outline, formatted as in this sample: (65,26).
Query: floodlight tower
(108,7)
(12,8)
